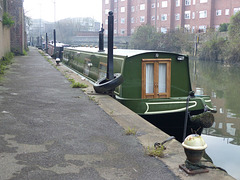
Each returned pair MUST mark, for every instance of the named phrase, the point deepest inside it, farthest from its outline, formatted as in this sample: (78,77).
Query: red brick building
(165,15)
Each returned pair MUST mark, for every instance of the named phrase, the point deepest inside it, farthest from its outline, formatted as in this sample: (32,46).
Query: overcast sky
(44,9)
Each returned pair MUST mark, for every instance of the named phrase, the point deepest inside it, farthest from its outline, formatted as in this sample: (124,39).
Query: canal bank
(52,131)
(147,134)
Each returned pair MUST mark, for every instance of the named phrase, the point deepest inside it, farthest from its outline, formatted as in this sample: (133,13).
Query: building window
(187,2)
(142,18)
(122,31)
(163,30)
(122,9)
(106,11)
(164,4)
(115,10)
(193,29)
(132,8)
(202,28)
(194,2)
(115,0)
(115,20)
(132,20)
(177,3)
(203,1)
(187,27)
(142,6)
(106,21)
(106,1)
(115,31)
(193,15)
(202,14)
(163,17)
(218,12)
(153,5)
(122,0)
(153,18)
(235,10)
(122,20)
(226,12)
(187,15)
(177,17)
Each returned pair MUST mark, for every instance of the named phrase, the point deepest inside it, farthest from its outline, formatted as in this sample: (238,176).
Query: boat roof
(120,52)
(59,44)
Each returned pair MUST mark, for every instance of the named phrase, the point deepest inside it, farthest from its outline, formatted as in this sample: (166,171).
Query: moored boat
(59,49)
(155,83)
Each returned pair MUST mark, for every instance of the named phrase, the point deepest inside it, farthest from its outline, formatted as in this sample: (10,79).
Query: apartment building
(165,15)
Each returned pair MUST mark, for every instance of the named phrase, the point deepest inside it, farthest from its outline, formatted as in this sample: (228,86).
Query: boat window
(149,78)
(156,78)
(162,78)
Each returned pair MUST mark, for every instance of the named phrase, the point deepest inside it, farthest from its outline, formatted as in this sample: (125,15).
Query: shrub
(7,20)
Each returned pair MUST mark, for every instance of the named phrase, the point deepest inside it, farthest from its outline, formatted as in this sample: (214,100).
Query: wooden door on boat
(156,78)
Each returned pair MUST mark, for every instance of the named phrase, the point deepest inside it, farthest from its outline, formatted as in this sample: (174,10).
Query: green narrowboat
(155,83)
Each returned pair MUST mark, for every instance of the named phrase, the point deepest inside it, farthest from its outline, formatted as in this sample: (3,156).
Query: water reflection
(223,84)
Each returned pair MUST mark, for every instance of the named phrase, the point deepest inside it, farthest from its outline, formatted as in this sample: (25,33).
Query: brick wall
(15,9)
(4,35)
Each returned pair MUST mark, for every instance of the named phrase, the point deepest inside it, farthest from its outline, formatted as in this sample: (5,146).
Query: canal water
(222,83)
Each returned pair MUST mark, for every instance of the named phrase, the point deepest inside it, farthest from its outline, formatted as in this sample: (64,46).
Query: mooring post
(101,39)
(46,45)
(110,75)
(54,41)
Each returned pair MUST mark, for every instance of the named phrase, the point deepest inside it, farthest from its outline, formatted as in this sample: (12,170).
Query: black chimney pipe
(55,42)
(101,40)
(46,45)
(110,74)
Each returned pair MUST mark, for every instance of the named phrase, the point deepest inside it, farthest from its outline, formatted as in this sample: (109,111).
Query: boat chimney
(54,41)
(110,75)
(46,43)
(101,40)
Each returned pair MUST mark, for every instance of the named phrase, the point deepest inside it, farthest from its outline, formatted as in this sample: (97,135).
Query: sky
(44,9)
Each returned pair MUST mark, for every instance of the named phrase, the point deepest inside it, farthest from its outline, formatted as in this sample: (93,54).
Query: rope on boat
(191,94)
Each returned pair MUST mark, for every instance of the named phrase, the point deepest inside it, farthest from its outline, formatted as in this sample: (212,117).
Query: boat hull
(173,124)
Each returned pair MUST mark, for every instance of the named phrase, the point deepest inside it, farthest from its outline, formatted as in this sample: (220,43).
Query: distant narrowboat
(59,49)
(155,83)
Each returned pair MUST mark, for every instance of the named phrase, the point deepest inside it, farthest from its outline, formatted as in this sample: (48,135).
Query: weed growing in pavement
(79,85)
(155,151)
(130,131)
(92,98)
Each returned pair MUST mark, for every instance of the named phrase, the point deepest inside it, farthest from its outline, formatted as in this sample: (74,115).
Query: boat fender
(205,119)
(104,86)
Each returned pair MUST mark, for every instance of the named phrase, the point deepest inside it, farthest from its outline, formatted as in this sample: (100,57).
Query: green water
(222,83)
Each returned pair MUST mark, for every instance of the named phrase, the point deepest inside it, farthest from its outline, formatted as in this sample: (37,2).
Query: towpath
(49,131)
